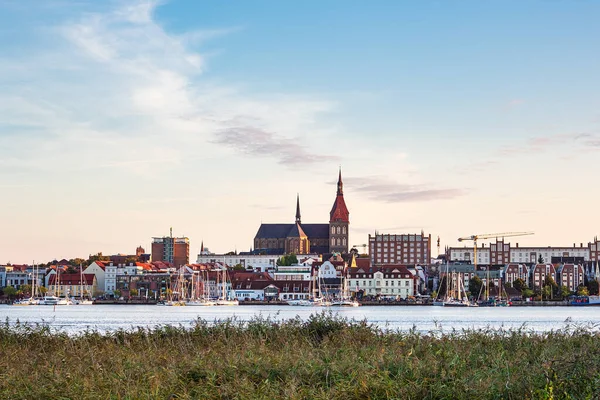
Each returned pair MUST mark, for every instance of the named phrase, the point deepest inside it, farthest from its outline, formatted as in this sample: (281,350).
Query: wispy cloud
(115,84)
(385,190)
(257,142)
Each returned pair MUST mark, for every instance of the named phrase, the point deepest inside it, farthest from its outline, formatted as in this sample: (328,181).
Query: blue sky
(119,119)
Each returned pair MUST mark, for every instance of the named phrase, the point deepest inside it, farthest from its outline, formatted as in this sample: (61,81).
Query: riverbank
(322,357)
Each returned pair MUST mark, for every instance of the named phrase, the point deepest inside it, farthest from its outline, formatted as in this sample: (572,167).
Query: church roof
(316,231)
(272,231)
(339,211)
(296,231)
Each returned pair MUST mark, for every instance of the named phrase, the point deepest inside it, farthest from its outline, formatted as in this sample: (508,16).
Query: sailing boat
(316,298)
(345,300)
(225,300)
(31,301)
(178,294)
(196,299)
(82,299)
(455,295)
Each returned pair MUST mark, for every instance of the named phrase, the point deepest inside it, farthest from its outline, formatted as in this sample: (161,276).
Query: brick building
(408,249)
(174,250)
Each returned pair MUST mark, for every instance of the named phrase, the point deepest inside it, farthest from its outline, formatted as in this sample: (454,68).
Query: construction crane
(475,238)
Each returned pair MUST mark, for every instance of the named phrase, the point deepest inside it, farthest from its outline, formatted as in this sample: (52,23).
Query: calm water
(424,319)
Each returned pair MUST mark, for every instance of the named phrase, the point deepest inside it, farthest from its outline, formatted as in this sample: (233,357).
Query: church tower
(339,221)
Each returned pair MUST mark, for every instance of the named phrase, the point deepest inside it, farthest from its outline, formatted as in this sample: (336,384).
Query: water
(103,318)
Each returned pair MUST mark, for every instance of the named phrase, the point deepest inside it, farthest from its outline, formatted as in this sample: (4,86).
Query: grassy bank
(323,358)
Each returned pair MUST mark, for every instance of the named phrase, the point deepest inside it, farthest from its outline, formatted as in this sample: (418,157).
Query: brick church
(299,238)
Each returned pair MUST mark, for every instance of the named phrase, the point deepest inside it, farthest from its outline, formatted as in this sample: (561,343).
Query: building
(72,285)
(400,249)
(174,250)
(300,238)
(539,273)
(502,253)
(512,272)
(384,281)
(260,262)
(571,276)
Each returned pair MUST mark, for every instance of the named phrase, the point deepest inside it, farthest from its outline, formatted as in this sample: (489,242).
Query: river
(103,318)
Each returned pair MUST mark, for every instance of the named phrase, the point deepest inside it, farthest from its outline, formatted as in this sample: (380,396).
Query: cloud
(114,85)
(382,189)
(257,142)
(536,145)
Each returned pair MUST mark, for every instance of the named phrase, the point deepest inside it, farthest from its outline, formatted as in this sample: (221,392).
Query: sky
(122,119)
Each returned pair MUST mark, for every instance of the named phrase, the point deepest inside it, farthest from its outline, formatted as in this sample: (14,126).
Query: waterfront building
(501,253)
(293,273)
(262,262)
(512,272)
(98,269)
(402,249)
(383,281)
(294,290)
(301,238)
(539,273)
(571,276)
(72,285)
(173,250)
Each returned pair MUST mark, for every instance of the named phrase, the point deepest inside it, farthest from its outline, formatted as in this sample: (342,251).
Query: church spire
(340,185)
(298,209)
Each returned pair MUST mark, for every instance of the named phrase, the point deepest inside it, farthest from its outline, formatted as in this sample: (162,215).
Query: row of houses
(569,275)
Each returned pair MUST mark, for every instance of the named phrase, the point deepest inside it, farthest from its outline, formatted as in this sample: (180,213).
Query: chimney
(580,244)
(517,244)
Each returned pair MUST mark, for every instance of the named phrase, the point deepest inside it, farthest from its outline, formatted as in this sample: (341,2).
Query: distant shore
(364,303)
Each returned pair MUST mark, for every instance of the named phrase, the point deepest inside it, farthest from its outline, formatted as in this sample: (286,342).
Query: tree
(582,291)
(71,270)
(288,259)
(564,291)
(475,285)
(97,257)
(527,293)
(238,267)
(117,293)
(593,287)
(26,289)
(133,293)
(540,259)
(519,284)
(43,290)
(76,262)
(131,259)
(9,291)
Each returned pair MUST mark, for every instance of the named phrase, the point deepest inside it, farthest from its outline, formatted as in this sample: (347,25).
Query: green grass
(325,357)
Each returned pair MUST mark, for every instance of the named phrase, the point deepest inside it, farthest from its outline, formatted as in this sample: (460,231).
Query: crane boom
(494,235)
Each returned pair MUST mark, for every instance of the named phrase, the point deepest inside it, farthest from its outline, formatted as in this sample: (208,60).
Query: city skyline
(119,120)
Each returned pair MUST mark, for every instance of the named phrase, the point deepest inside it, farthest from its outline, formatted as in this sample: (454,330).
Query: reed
(324,357)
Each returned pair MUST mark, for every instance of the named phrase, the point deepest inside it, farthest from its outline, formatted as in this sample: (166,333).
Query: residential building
(384,281)
(512,272)
(502,253)
(72,285)
(405,249)
(301,238)
(539,273)
(571,276)
(174,250)
(260,262)
(98,269)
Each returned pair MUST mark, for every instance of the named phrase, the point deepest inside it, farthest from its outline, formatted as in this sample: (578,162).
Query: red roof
(72,279)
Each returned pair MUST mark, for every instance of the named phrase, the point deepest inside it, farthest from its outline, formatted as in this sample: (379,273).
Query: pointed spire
(202,247)
(298,219)
(340,184)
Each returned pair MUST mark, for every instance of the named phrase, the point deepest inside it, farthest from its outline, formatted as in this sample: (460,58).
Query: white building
(255,261)
(387,281)
(292,273)
(98,268)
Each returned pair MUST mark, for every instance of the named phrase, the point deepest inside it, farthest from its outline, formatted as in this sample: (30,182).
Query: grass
(324,357)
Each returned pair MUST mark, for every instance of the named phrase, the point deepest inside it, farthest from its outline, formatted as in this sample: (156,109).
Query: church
(299,238)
